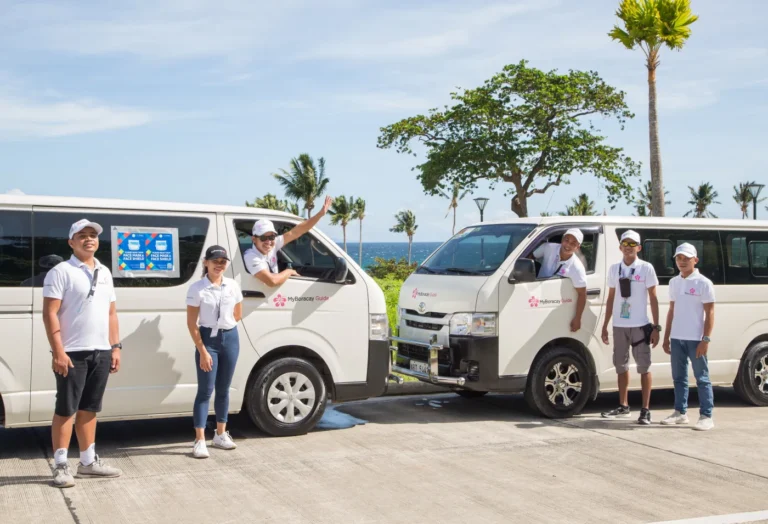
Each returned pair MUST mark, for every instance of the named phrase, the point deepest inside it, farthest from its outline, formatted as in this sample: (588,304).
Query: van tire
(746,384)
(572,369)
(258,397)
(470,393)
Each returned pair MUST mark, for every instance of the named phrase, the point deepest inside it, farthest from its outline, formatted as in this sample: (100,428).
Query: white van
(475,318)
(328,325)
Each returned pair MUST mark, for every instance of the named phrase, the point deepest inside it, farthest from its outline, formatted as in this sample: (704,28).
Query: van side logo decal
(534,302)
(279,300)
(416,293)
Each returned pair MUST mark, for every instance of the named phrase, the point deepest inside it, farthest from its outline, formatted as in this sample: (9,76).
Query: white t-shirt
(84,322)
(549,254)
(643,276)
(689,295)
(216,303)
(255,261)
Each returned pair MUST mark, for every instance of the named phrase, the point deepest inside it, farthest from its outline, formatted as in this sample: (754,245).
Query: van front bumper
(432,373)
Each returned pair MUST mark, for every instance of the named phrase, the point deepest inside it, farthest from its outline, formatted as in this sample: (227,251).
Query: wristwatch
(117,346)
(657,327)
(706,339)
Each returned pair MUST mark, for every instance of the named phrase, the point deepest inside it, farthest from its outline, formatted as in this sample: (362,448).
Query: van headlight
(379,328)
(474,324)
(399,316)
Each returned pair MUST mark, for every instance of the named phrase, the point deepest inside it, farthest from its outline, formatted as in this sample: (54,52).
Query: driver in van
(261,258)
(563,260)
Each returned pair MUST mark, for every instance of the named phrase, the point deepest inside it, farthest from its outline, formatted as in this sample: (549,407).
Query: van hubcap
(291,397)
(562,384)
(761,375)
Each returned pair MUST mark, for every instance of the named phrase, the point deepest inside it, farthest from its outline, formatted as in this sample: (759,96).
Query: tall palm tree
(649,25)
(341,213)
(358,213)
(743,197)
(644,199)
(406,223)
(292,208)
(454,196)
(581,206)
(304,181)
(701,198)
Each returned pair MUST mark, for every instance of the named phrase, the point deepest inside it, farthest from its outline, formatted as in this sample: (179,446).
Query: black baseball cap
(214,252)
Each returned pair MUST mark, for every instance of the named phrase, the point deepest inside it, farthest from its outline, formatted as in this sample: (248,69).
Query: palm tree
(582,207)
(645,199)
(454,196)
(743,197)
(304,181)
(292,208)
(406,223)
(545,214)
(358,213)
(641,210)
(649,25)
(268,201)
(341,213)
(701,198)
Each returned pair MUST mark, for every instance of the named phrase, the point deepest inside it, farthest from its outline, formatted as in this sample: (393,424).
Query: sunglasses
(629,243)
(267,238)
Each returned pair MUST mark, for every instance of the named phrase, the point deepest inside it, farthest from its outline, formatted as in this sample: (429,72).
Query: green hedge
(391,288)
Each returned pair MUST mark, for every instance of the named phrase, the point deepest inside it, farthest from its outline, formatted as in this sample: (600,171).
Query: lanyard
(630,275)
(94,282)
(215,330)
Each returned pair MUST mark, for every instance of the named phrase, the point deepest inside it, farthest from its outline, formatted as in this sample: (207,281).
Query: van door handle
(253,294)
(594,292)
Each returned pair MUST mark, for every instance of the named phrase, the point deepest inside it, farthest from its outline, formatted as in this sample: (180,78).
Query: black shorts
(83,387)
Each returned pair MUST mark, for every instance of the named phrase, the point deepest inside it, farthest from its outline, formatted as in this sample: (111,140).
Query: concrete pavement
(437,458)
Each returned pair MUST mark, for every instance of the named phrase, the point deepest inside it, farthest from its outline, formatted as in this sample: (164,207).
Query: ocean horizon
(371,250)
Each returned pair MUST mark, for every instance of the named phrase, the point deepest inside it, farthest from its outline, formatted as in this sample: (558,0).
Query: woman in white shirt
(214,307)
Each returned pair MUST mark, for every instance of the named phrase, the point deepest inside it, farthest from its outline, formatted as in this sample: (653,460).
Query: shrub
(391,288)
(391,268)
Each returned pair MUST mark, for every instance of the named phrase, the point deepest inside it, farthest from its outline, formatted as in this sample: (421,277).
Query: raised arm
(308,224)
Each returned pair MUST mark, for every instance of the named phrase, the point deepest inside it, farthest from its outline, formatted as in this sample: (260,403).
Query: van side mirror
(524,270)
(341,270)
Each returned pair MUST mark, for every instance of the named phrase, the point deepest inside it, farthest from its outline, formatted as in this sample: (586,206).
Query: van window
(659,247)
(746,257)
(15,248)
(587,253)
(477,250)
(51,232)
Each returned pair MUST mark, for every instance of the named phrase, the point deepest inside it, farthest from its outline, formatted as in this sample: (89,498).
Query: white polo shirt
(549,254)
(216,303)
(84,322)
(255,260)
(689,295)
(643,276)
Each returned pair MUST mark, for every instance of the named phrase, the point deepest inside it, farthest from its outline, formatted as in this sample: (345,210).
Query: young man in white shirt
(261,258)
(562,260)
(637,281)
(692,318)
(81,323)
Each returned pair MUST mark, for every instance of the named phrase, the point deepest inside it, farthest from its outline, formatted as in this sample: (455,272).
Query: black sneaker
(645,417)
(619,412)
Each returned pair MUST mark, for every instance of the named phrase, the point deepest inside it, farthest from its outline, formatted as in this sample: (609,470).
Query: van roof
(633,221)
(142,205)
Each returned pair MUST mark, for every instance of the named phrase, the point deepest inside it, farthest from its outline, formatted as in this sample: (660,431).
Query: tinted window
(52,236)
(15,248)
(746,257)
(659,247)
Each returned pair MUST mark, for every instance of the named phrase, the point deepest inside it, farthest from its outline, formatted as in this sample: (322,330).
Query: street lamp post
(754,190)
(481,202)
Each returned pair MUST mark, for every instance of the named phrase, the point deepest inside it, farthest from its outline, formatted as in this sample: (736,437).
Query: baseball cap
(687,250)
(215,252)
(263,226)
(575,233)
(82,224)
(631,235)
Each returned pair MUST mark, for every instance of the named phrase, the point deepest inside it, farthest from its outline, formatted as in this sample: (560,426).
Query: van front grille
(431,314)
(423,325)
(421,353)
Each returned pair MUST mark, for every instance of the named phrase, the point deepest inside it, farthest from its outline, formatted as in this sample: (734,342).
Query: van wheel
(559,384)
(752,379)
(470,393)
(287,397)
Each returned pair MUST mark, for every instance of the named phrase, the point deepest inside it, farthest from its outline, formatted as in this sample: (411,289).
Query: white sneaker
(223,441)
(675,418)
(704,424)
(200,451)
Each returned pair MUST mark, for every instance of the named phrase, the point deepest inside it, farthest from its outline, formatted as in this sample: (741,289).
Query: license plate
(421,367)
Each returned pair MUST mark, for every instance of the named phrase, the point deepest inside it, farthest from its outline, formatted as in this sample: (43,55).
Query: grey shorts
(623,338)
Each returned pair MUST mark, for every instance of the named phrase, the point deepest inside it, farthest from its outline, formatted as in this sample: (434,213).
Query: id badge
(625,309)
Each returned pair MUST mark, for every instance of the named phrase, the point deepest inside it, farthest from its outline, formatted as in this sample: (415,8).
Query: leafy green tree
(406,223)
(649,25)
(358,213)
(701,199)
(304,181)
(644,199)
(292,208)
(455,195)
(524,127)
(341,213)
(743,197)
(268,201)
(581,206)
(391,268)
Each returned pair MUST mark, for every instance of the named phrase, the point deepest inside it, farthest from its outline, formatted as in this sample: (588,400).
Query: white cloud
(15,191)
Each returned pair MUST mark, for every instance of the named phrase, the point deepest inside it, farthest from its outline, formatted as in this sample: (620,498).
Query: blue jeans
(682,350)
(224,349)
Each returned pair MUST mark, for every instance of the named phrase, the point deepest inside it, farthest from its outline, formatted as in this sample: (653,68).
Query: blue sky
(200,101)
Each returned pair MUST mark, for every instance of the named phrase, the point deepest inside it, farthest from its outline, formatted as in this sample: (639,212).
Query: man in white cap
(691,317)
(81,323)
(560,260)
(637,281)
(261,259)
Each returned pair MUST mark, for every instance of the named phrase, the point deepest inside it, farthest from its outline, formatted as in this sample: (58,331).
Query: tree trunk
(344,231)
(410,241)
(657,181)
(360,252)
(520,205)
(453,231)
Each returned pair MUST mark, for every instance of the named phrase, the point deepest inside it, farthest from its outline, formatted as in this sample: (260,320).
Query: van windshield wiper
(428,270)
(462,271)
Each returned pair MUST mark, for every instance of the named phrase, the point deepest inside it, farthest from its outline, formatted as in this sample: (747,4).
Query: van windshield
(477,250)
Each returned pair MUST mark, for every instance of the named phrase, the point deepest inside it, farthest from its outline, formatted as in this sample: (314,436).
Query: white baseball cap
(263,226)
(687,250)
(631,235)
(82,224)
(575,233)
